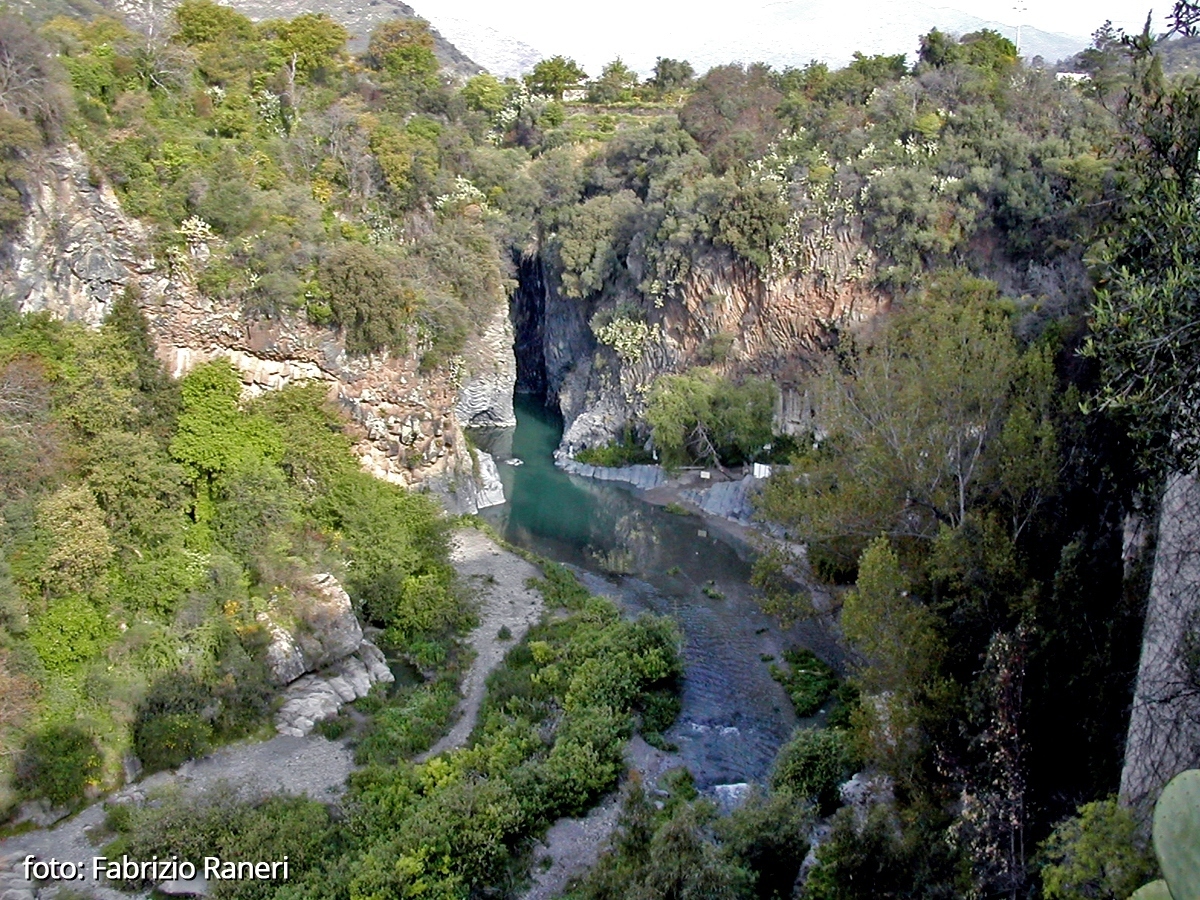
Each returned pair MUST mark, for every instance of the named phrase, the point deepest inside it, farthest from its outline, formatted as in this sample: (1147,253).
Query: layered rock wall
(724,314)
(78,251)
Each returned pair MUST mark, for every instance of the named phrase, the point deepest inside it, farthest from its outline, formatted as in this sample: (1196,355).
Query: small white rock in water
(515,461)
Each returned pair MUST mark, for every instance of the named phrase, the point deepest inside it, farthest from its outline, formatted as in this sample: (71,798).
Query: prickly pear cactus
(1177,835)
(1155,890)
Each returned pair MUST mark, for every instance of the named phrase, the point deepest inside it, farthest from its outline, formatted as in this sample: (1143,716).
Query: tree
(703,418)
(310,42)
(1145,328)
(485,93)
(671,74)
(616,82)
(910,418)
(404,49)
(214,437)
(30,87)
(554,75)
(59,763)
(1097,854)
(367,297)
(78,545)
(899,652)
(205,22)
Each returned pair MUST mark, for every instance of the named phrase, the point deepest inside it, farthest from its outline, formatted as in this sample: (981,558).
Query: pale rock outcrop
(486,397)
(1164,723)
(324,630)
(316,697)
(77,248)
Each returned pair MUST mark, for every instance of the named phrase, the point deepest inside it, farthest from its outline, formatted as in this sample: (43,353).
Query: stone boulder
(325,630)
(319,696)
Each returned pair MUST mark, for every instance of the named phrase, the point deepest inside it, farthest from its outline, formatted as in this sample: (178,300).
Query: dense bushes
(141,552)
(812,764)
(59,763)
(548,743)
(807,680)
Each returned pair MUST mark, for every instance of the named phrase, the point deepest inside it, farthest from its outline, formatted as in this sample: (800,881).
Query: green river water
(734,715)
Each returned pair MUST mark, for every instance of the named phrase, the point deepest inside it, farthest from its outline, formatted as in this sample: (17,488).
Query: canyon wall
(78,252)
(724,314)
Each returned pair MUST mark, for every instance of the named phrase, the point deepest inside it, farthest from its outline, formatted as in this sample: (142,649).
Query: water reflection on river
(734,715)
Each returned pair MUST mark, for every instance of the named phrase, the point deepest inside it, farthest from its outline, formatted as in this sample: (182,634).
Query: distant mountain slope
(499,53)
(360,17)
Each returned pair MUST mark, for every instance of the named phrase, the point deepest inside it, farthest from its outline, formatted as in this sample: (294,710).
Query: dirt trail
(282,765)
(498,577)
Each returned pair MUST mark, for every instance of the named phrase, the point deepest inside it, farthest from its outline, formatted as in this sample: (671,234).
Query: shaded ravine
(734,716)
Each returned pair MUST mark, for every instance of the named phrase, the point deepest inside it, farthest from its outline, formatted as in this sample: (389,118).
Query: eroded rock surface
(324,629)
(1164,723)
(319,696)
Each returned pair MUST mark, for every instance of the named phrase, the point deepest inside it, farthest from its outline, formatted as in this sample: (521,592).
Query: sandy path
(497,577)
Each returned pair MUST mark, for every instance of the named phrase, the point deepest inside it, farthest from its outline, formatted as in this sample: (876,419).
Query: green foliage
(1145,311)
(310,41)
(812,764)
(627,451)
(702,418)
(408,724)
(213,437)
(485,94)
(76,545)
(911,419)
(615,84)
(807,680)
(403,48)
(205,22)
(1097,853)
(554,75)
(773,574)
(171,740)
(865,859)
(219,823)
(893,632)
(59,763)
(367,298)
(70,632)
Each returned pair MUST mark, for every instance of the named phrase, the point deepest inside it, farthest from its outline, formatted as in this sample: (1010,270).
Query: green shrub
(627,451)
(1097,853)
(59,763)
(166,742)
(807,680)
(812,764)
(68,633)
(409,723)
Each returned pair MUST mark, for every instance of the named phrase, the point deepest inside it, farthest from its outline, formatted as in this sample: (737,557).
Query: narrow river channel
(734,715)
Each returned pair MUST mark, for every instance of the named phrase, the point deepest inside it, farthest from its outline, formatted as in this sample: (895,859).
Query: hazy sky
(714,31)
(551,22)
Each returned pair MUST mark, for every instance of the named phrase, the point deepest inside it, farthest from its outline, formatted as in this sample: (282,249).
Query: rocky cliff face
(1164,723)
(725,314)
(78,251)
